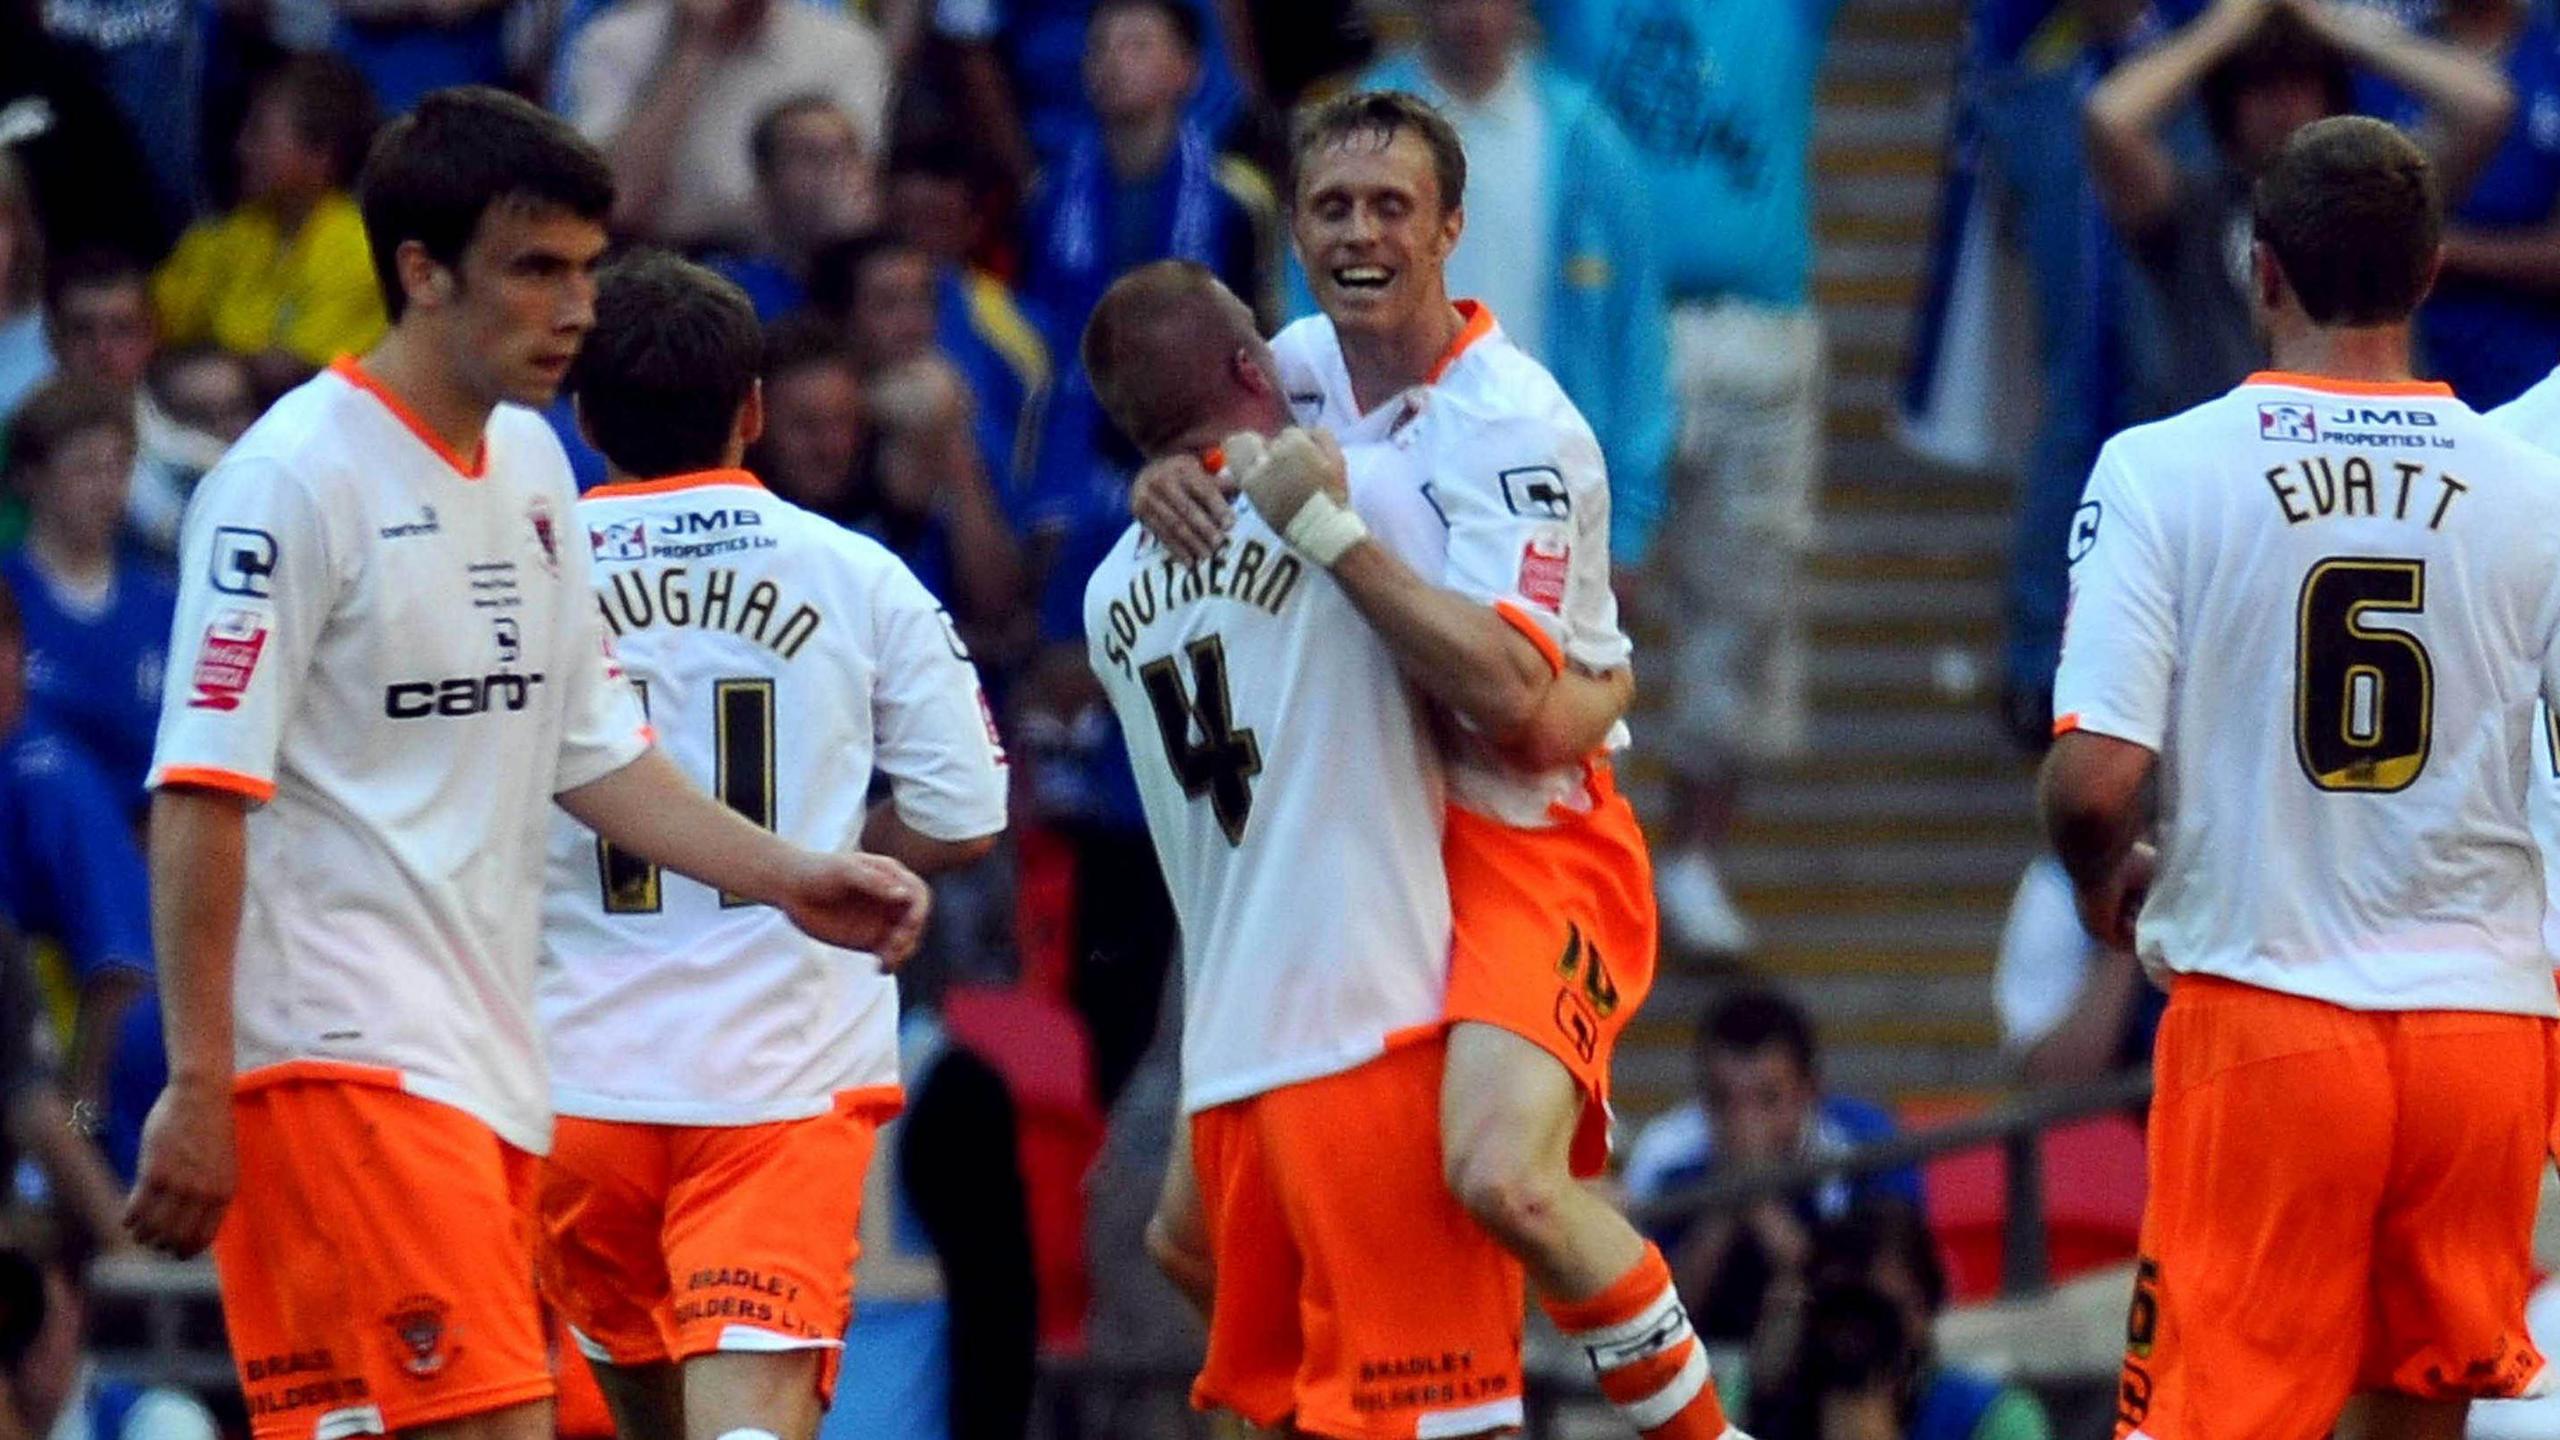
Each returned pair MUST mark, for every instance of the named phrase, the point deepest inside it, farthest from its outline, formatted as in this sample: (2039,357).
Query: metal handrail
(2016,1125)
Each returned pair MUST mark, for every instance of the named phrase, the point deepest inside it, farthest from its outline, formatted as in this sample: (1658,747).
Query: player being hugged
(1502,614)
(718,1074)
(388,666)
(2316,614)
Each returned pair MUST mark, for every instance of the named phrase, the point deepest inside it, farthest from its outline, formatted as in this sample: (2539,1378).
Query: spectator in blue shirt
(1717,96)
(815,186)
(1759,1102)
(1139,180)
(24,357)
(1019,76)
(938,198)
(2492,327)
(1559,240)
(96,618)
(895,306)
(71,872)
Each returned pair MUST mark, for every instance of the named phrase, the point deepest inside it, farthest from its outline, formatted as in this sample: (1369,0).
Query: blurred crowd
(923,199)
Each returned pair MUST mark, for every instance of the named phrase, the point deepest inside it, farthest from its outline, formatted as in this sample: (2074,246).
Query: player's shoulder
(1306,350)
(2533,415)
(313,438)
(1505,394)
(1111,574)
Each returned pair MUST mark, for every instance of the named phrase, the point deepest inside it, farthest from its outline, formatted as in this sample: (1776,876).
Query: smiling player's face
(1373,234)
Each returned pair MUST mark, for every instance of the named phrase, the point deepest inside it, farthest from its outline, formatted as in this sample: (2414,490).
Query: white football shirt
(2330,610)
(397,653)
(781,657)
(2535,415)
(1521,497)
(1294,798)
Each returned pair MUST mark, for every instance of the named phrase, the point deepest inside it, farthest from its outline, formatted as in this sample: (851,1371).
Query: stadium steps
(1877,869)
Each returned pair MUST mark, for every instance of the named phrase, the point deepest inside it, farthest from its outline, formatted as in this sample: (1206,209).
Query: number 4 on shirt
(742,721)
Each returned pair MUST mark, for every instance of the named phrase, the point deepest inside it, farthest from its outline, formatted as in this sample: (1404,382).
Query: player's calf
(1508,1115)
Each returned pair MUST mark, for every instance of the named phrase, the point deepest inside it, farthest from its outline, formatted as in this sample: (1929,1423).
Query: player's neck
(1385,365)
(2377,354)
(407,364)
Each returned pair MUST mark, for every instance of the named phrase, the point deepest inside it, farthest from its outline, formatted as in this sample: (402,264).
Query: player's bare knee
(1168,1249)
(529,1421)
(1506,1189)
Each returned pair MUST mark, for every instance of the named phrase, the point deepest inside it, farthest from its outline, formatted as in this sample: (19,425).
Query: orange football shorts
(1555,933)
(1354,1294)
(2341,1201)
(664,1242)
(377,1261)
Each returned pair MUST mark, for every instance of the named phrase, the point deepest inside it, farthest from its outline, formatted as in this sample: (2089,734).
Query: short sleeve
(256,585)
(602,727)
(1527,503)
(935,733)
(2120,633)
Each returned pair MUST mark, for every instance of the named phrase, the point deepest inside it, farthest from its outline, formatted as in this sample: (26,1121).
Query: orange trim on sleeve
(2333,386)
(347,368)
(341,1072)
(666,484)
(1479,318)
(875,1102)
(2065,724)
(1521,621)
(206,777)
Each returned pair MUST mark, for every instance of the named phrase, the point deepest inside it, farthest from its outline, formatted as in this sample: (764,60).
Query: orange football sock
(1648,1359)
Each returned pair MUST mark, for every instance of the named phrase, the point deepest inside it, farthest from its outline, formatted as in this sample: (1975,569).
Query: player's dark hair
(1754,1018)
(60,411)
(463,152)
(939,154)
(1379,116)
(672,358)
(835,272)
(764,142)
(1184,20)
(333,108)
(1154,346)
(2351,210)
(1879,1229)
(2283,50)
(801,342)
(94,269)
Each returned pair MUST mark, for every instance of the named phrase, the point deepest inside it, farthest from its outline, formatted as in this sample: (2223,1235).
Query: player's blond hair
(1158,345)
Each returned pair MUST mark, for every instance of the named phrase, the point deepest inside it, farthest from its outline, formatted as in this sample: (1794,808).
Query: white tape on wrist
(1323,529)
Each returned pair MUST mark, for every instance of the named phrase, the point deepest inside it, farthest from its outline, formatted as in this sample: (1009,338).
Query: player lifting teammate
(2316,613)
(388,664)
(1503,616)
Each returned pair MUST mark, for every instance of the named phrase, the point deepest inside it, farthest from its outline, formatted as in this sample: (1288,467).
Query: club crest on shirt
(619,540)
(2284,421)
(545,531)
(419,1323)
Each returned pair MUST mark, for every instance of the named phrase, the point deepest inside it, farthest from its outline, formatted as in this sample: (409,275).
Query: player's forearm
(2527,259)
(2136,177)
(642,153)
(885,832)
(2091,798)
(1459,652)
(199,865)
(41,1122)
(1575,718)
(2464,92)
(649,808)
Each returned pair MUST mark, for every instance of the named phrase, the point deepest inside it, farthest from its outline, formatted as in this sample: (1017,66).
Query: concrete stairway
(1877,869)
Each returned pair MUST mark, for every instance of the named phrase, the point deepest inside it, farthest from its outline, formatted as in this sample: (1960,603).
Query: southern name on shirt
(1249,572)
